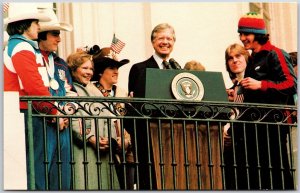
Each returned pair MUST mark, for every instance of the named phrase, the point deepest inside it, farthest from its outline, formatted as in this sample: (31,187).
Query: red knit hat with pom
(252,22)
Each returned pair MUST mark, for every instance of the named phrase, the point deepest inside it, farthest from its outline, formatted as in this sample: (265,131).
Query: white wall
(14,148)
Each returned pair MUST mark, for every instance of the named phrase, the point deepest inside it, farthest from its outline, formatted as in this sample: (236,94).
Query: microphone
(174,64)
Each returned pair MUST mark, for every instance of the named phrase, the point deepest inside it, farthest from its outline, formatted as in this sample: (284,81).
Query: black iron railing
(176,145)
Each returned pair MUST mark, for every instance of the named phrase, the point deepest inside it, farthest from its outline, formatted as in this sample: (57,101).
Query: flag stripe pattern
(239,97)
(117,45)
(5,7)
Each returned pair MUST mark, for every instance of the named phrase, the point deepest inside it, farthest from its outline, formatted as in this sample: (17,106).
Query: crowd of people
(32,68)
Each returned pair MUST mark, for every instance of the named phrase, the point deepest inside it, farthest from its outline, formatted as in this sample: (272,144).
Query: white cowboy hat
(23,11)
(53,24)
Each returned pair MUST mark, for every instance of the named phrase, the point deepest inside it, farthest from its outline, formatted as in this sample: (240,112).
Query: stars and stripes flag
(239,96)
(5,7)
(117,45)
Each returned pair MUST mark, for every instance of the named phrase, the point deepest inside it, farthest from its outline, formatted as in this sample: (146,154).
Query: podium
(186,155)
(159,84)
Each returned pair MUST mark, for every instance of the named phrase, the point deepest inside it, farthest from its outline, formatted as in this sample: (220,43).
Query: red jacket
(273,67)
(21,70)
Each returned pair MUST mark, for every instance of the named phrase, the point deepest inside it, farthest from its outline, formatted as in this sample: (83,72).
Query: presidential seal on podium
(187,86)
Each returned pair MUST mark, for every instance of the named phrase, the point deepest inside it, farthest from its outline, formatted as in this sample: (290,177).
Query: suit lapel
(151,63)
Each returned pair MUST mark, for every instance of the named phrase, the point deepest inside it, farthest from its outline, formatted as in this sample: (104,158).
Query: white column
(14,144)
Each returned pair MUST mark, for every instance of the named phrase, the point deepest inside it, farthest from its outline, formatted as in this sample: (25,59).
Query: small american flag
(239,96)
(5,7)
(117,45)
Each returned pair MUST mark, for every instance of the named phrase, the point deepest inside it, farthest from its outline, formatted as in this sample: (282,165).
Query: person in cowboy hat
(23,67)
(48,40)
(20,58)
(106,77)
(60,84)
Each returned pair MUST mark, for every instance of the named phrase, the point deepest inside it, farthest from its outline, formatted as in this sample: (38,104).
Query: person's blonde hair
(238,49)
(194,65)
(76,59)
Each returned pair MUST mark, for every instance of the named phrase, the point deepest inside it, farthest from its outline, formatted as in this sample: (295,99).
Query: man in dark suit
(163,39)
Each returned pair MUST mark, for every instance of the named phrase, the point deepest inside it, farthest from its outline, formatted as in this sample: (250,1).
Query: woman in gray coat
(92,157)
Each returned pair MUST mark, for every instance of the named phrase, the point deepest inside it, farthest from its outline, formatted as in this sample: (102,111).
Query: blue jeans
(53,151)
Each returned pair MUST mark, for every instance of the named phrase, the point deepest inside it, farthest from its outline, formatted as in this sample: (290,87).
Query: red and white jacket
(23,69)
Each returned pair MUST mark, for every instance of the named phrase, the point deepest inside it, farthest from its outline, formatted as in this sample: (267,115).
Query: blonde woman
(86,71)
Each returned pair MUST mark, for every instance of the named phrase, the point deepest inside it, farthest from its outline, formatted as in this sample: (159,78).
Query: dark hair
(42,36)
(261,38)
(19,27)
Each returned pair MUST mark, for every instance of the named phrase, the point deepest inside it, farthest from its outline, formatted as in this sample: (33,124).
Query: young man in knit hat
(269,79)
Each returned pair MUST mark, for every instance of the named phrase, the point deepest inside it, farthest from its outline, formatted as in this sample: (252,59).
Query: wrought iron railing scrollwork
(180,118)
(169,109)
